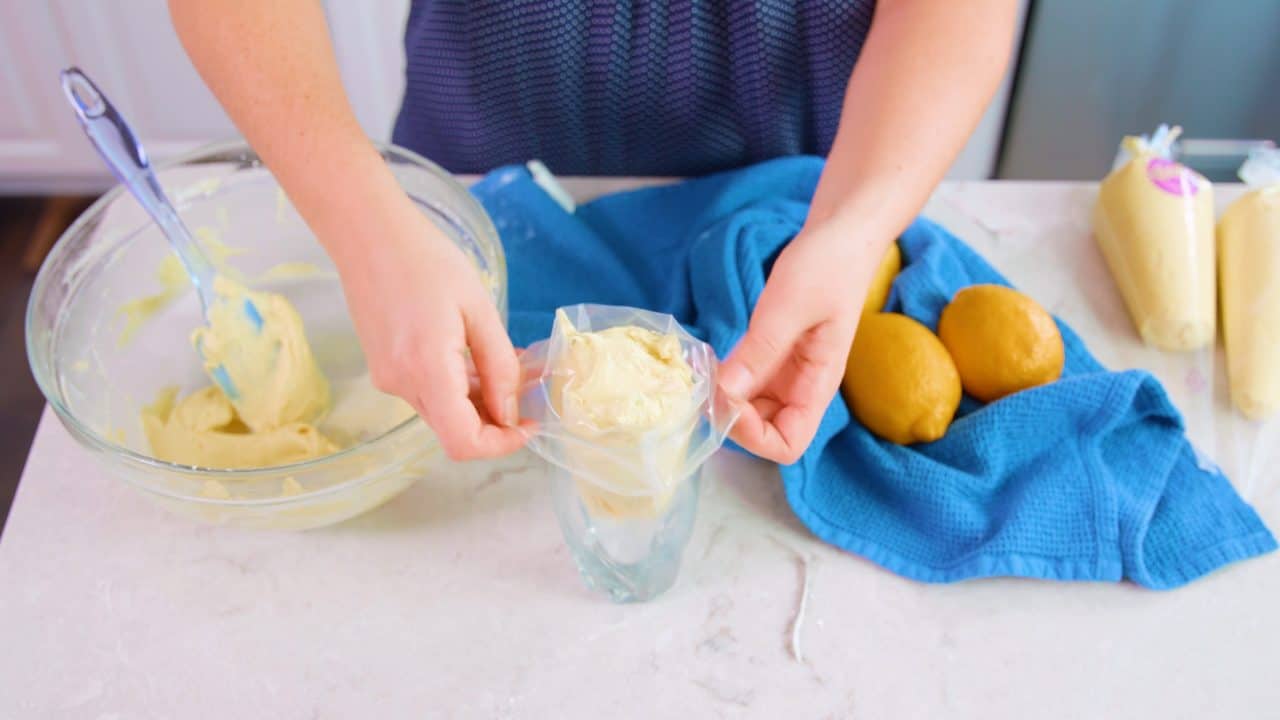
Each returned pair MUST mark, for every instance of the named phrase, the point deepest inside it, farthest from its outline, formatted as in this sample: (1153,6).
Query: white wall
(137,60)
(977,161)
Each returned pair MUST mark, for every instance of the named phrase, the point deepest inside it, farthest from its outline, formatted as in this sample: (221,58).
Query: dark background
(27,228)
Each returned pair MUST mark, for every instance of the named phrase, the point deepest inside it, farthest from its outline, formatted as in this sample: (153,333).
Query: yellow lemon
(900,382)
(1001,340)
(878,293)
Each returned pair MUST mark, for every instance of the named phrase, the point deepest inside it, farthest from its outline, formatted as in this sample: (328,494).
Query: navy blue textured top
(604,87)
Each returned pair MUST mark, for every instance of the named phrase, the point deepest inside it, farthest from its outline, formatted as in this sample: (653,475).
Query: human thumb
(766,345)
(497,366)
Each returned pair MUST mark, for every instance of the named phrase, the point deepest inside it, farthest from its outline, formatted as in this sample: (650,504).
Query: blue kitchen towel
(1088,478)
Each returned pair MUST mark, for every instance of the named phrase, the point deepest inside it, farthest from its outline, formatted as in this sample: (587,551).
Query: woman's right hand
(417,300)
(423,313)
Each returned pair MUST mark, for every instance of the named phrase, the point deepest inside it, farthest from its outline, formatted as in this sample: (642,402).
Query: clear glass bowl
(97,372)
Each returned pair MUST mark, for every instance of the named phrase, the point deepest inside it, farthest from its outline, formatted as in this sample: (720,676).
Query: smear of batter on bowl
(215,490)
(174,281)
(290,487)
(282,205)
(293,271)
(203,187)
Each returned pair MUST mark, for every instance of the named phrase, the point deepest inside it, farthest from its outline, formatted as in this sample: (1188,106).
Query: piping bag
(1154,224)
(627,468)
(1249,266)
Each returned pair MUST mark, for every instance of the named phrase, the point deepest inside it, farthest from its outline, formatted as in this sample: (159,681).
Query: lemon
(878,293)
(1001,340)
(900,382)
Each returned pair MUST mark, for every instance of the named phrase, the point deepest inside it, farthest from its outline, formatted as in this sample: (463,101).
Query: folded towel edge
(983,566)
(1213,558)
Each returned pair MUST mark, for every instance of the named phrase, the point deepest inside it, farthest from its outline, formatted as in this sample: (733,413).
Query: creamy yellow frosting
(203,430)
(280,391)
(274,373)
(627,392)
(1249,256)
(626,379)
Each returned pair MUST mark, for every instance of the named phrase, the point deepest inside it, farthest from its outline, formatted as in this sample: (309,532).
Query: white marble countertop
(458,598)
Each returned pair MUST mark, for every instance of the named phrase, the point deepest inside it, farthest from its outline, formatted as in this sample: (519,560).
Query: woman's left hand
(886,158)
(787,368)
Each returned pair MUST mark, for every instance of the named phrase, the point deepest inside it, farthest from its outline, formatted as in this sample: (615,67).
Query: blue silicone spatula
(120,148)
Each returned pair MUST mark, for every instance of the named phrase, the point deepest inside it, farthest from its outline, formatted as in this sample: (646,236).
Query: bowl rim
(98,442)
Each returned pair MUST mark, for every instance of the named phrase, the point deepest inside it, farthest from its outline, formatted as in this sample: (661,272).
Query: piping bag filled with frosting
(1249,263)
(1153,222)
(624,401)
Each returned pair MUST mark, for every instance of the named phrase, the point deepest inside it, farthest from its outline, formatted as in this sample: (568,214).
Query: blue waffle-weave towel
(1089,478)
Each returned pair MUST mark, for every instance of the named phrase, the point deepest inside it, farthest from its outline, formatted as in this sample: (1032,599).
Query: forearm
(926,74)
(272,67)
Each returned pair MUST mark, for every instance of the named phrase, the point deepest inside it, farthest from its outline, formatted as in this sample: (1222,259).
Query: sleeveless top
(598,87)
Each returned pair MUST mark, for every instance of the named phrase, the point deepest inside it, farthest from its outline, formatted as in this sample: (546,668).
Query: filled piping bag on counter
(1249,262)
(1153,222)
(625,401)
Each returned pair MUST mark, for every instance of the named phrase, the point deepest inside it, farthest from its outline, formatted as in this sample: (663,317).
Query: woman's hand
(419,304)
(787,368)
(417,301)
(887,157)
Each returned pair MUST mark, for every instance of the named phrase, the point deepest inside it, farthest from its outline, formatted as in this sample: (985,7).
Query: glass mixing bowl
(108,328)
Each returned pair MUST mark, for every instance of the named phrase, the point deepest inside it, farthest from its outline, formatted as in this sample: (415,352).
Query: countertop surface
(459,599)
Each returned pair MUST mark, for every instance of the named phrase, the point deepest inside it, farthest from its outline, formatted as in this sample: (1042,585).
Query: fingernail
(510,412)
(735,380)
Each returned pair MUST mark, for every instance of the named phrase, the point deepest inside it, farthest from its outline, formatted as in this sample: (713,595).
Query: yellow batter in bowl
(108,336)
(281,391)
(270,363)
(203,430)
